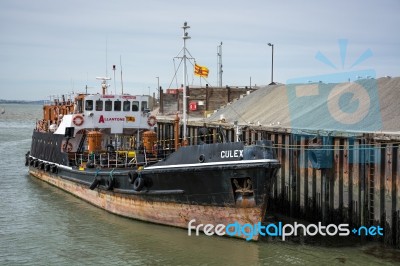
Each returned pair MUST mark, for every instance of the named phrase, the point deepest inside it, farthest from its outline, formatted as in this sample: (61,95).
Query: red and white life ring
(152,121)
(78,120)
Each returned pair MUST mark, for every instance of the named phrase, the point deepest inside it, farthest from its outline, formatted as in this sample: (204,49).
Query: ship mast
(185,37)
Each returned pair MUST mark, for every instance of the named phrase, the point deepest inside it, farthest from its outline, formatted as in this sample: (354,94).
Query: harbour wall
(327,177)
(200,99)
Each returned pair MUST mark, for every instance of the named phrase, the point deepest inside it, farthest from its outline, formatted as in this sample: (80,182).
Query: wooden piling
(360,186)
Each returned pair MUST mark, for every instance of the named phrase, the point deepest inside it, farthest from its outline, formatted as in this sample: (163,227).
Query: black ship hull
(213,183)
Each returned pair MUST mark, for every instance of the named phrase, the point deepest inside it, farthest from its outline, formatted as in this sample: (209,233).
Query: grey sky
(51,47)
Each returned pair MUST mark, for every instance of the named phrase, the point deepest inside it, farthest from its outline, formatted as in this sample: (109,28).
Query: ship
(104,149)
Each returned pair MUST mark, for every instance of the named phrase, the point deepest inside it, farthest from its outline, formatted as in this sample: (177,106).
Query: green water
(42,225)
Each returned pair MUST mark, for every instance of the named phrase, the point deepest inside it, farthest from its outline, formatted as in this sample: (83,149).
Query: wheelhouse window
(135,106)
(127,106)
(79,105)
(117,106)
(144,105)
(89,105)
(99,105)
(108,105)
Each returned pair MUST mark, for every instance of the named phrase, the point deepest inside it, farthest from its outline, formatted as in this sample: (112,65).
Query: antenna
(115,85)
(106,56)
(122,83)
(219,64)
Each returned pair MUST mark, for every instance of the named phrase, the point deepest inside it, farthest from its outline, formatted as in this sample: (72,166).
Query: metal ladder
(81,143)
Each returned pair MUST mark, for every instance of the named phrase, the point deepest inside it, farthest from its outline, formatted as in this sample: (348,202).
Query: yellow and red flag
(200,71)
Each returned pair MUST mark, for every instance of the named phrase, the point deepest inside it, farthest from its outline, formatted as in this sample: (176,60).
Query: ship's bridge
(116,104)
(116,112)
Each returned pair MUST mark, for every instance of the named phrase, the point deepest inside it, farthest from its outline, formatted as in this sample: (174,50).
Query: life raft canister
(152,121)
(78,120)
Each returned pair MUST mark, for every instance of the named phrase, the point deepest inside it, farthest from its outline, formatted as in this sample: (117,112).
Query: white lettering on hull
(232,154)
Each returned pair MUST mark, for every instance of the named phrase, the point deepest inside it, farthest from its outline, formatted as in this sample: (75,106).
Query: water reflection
(84,229)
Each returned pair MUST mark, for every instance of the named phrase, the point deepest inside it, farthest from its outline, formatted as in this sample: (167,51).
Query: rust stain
(173,214)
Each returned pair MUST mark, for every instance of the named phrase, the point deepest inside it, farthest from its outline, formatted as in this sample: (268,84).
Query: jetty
(335,168)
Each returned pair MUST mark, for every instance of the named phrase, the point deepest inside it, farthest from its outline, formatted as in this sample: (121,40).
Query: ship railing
(117,159)
(148,159)
(90,160)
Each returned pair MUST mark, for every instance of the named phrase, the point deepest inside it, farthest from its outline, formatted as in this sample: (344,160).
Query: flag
(200,71)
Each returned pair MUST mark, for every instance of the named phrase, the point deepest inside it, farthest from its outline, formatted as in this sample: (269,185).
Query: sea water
(42,225)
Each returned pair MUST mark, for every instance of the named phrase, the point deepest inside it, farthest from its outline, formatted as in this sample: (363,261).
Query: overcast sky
(50,47)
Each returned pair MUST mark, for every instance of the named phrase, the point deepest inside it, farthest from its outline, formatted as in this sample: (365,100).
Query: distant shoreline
(20,102)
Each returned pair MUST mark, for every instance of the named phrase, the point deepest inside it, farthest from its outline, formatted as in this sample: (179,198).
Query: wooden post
(176,132)
(161,100)
(207,98)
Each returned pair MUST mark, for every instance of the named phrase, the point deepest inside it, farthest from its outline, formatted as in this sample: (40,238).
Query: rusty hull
(166,213)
